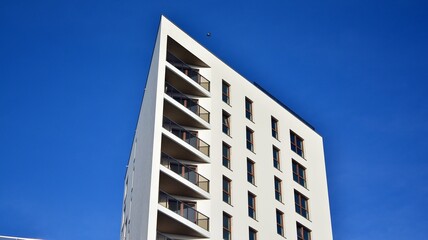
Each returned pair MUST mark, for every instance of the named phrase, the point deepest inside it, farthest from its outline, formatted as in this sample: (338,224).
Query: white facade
(180,132)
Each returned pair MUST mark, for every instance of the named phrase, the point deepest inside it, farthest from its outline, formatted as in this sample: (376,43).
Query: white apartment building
(216,157)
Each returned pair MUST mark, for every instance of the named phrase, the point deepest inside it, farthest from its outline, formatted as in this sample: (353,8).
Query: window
(226,123)
(250,171)
(299,173)
(296,143)
(280,222)
(274,124)
(278,191)
(252,234)
(226,155)
(226,190)
(249,109)
(226,92)
(227,226)
(250,140)
(303,233)
(276,162)
(301,203)
(251,205)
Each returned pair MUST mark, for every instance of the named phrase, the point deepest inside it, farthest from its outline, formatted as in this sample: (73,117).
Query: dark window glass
(250,139)
(226,190)
(278,194)
(250,171)
(227,226)
(301,203)
(274,123)
(252,234)
(303,233)
(276,162)
(296,144)
(249,109)
(226,155)
(299,174)
(226,123)
(279,222)
(226,92)
(251,205)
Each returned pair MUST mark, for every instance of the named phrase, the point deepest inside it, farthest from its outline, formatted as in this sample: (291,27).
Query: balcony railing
(184,210)
(189,71)
(189,103)
(187,136)
(160,236)
(185,172)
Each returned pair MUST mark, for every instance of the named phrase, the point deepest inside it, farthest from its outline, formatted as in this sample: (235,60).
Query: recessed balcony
(181,179)
(181,218)
(187,136)
(187,102)
(191,73)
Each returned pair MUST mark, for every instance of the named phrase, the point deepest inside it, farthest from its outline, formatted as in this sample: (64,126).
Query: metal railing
(189,103)
(189,71)
(185,172)
(184,210)
(186,136)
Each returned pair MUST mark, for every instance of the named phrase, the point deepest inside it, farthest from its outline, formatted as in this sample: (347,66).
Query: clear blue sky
(72,75)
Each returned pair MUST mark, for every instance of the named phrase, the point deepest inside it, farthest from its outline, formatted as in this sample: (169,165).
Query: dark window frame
(278,192)
(227,229)
(226,158)
(251,177)
(249,136)
(227,192)
(276,152)
(252,232)
(303,233)
(280,222)
(226,117)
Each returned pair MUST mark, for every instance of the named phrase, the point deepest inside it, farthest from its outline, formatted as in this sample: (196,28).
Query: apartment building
(216,157)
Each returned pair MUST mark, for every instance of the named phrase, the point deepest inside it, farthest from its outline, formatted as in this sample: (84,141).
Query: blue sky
(72,75)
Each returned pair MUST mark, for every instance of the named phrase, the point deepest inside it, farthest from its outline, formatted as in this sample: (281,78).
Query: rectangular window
(251,205)
(299,174)
(226,123)
(280,222)
(227,226)
(250,139)
(226,92)
(274,124)
(226,155)
(226,190)
(276,160)
(249,109)
(250,172)
(278,191)
(303,233)
(301,203)
(252,234)
(296,143)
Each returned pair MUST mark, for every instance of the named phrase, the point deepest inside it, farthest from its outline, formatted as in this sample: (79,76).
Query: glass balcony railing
(187,136)
(189,103)
(192,73)
(160,236)
(184,209)
(186,172)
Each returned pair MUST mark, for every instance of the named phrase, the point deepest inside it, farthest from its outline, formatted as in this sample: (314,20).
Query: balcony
(180,218)
(185,171)
(189,137)
(190,72)
(189,103)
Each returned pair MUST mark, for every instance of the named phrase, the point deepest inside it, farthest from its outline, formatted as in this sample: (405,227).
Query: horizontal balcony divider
(189,71)
(185,172)
(188,102)
(184,210)
(186,136)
